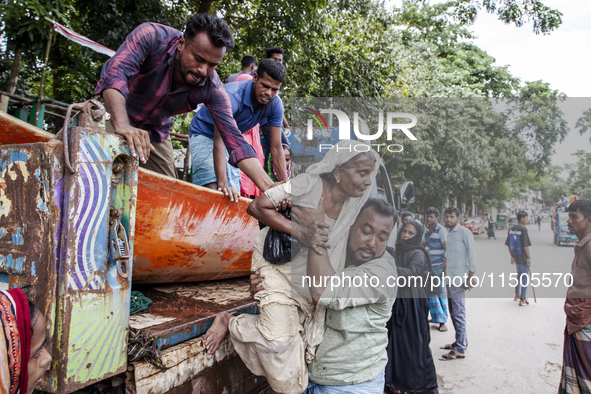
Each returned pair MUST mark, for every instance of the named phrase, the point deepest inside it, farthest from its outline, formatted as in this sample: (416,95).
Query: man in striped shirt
(435,240)
(159,72)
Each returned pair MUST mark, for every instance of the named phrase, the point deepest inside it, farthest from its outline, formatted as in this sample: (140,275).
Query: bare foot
(216,333)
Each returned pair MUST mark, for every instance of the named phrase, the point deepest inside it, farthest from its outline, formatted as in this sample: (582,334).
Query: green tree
(579,174)
(538,120)
(518,12)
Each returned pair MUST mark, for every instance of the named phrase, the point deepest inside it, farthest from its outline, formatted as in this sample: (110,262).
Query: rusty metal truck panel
(30,212)
(67,220)
(184,232)
(96,257)
(188,233)
(15,131)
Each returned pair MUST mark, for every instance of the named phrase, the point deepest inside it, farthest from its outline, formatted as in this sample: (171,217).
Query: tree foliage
(579,174)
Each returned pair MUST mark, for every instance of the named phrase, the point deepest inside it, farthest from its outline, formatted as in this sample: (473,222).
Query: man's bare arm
(277,154)
(137,139)
(219,167)
(318,268)
(253,169)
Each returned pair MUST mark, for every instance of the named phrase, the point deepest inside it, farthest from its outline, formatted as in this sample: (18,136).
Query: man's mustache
(196,74)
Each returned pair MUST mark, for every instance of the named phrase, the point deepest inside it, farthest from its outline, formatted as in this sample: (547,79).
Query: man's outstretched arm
(137,139)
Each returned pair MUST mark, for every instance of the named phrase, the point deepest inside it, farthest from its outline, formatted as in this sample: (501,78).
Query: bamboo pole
(43,70)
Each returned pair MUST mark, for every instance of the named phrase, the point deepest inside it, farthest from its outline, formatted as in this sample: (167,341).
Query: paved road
(512,349)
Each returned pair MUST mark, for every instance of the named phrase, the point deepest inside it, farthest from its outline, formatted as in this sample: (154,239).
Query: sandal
(442,327)
(450,347)
(452,355)
(524,302)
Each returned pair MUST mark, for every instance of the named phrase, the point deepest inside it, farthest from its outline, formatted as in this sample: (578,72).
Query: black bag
(279,247)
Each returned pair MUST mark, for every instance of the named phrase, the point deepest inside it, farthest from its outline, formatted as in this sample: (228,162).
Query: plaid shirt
(142,71)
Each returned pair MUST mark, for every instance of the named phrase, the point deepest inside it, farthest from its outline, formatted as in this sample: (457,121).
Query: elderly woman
(280,341)
(23,359)
(410,366)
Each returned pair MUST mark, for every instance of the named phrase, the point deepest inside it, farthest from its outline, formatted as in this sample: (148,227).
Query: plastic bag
(280,247)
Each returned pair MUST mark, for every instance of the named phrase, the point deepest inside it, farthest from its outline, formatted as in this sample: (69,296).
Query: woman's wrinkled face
(408,232)
(354,181)
(40,357)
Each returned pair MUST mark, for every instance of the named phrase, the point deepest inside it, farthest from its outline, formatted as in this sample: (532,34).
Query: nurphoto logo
(395,123)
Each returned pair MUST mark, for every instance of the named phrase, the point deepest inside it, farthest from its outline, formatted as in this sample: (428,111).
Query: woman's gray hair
(352,162)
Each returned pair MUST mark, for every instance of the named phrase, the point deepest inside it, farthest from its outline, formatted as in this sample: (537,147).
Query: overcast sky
(561,58)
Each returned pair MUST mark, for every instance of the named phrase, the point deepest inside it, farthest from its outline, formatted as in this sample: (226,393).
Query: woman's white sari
(280,341)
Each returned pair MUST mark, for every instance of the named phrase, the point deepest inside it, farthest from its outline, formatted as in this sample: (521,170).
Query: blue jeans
(523,276)
(375,386)
(456,297)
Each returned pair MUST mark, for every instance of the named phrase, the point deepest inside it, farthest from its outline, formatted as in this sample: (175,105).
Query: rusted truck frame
(68,209)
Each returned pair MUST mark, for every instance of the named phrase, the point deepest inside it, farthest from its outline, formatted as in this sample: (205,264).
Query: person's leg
(523,275)
(457,309)
(518,283)
(280,359)
(202,172)
(233,174)
(576,361)
(271,344)
(162,159)
(438,303)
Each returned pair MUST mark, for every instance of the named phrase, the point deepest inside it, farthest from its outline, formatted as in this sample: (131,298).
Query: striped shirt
(142,71)
(435,242)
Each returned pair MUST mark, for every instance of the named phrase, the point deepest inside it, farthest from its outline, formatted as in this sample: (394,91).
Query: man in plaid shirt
(159,72)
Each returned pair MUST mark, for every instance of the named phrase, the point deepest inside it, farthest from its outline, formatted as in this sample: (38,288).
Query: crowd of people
(236,139)
(314,337)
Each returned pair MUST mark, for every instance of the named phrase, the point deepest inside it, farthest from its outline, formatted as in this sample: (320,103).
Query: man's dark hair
(382,207)
(273,50)
(272,68)
(405,214)
(432,210)
(521,214)
(217,30)
(449,210)
(583,205)
(248,60)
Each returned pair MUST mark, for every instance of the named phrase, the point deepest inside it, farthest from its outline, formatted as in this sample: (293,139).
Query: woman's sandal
(452,355)
(442,327)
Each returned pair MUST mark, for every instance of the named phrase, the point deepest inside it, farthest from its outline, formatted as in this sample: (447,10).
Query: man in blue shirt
(435,240)
(251,101)
(459,267)
(518,244)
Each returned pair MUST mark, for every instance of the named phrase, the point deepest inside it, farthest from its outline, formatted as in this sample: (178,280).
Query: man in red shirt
(576,371)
